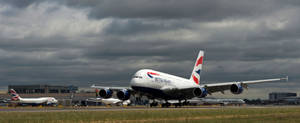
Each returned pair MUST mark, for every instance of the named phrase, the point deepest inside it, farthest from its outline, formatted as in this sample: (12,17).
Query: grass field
(214,115)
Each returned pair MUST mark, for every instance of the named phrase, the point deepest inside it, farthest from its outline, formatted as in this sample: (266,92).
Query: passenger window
(137,77)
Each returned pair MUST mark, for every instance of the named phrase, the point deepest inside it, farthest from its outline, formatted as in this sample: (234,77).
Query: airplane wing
(112,88)
(221,87)
(94,99)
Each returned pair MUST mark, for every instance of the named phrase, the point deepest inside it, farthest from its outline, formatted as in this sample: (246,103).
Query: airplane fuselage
(37,101)
(161,85)
(110,101)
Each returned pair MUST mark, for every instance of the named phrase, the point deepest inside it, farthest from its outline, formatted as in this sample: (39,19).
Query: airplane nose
(133,81)
(137,78)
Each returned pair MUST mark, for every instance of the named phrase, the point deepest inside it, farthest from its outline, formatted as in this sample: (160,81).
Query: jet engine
(105,93)
(236,88)
(123,94)
(200,92)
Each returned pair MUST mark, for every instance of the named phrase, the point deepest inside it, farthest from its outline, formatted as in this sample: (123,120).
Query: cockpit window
(137,77)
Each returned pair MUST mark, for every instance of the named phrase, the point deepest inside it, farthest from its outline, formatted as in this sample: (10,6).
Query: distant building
(292,100)
(42,89)
(278,96)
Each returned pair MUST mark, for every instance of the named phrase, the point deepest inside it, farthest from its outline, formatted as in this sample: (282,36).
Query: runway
(226,114)
(45,109)
(72,109)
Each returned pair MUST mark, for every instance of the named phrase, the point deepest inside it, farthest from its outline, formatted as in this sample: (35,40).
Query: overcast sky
(84,42)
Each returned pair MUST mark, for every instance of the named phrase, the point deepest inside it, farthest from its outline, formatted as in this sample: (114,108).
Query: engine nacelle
(123,94)
(105,93)
(236,88)
(200,92)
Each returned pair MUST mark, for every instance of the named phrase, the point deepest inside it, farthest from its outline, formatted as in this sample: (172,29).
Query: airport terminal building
(42,89)
(278,96)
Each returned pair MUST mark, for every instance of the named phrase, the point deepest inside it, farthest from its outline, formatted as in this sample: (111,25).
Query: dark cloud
(20,3)
(104,42)
(212,10)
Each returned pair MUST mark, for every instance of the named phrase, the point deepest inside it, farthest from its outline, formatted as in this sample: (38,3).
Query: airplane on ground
(110,101)
(211,101)
(163,86)
(15,98)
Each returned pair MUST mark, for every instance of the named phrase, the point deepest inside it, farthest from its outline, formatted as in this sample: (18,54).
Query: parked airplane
(110,101)
(15,98)
(163,86)
(211,101)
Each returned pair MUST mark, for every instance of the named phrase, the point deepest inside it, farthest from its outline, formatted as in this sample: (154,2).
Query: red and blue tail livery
(14,95)
(197,68)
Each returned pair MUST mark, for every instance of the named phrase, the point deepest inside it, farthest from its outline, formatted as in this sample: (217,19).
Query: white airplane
(15,98)
(163,86)
(210,101)
(110,101)
(222,101)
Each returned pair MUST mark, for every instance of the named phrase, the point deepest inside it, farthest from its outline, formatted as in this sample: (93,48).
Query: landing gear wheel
(178,105)
(185,102)
(154,104)
(166,105)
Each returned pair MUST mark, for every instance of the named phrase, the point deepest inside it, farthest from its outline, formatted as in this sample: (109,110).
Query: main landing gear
(153,104)
(163,105)
(166,105)
(179,104)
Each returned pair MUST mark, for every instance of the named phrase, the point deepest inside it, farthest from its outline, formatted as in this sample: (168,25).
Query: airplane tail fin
(14,95)
(197,68)
(97,92)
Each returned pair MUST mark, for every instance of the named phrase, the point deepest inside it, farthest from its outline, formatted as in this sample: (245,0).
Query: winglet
(286,78)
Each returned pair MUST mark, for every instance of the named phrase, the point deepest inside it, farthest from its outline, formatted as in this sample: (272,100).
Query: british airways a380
(163,86)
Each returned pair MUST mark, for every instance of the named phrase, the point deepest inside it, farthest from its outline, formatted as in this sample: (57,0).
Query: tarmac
(117,108)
